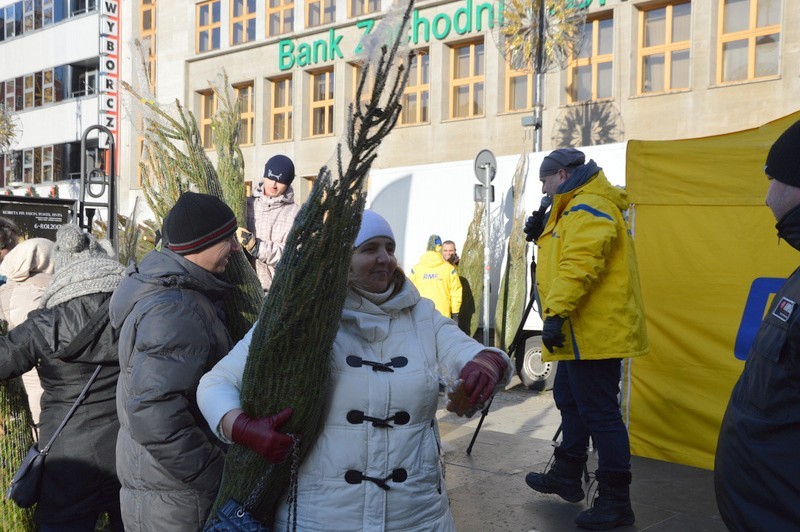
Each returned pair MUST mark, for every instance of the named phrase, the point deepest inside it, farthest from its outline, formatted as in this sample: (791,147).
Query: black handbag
(26,484)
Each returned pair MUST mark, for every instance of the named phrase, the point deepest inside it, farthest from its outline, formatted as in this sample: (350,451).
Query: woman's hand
(481,375)
(261,434)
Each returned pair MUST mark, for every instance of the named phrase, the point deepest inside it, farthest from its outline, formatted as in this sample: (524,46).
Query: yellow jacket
(438,280)
(588,273)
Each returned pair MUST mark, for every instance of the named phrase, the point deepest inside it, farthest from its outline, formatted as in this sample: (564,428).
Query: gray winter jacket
(172,332)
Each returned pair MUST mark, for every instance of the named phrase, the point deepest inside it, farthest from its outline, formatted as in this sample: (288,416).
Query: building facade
(646,69)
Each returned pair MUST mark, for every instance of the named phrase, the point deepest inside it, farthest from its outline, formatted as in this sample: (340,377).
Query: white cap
(372,225)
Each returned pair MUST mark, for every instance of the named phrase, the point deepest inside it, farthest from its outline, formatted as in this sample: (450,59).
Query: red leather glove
(262,436)
(481,375)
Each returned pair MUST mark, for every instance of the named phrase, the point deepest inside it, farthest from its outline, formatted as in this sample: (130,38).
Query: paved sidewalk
(488,492)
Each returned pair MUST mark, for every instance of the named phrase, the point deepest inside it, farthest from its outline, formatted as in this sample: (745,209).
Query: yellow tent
(709,260)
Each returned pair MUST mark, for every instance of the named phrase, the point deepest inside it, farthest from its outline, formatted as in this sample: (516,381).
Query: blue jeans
(585,391)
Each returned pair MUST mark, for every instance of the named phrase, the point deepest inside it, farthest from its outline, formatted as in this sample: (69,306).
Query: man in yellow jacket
(438,280)
(591,302)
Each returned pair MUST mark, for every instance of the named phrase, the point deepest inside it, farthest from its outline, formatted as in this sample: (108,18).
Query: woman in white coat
(375,465)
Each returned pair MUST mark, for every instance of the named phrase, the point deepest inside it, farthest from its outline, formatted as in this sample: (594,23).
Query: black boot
(563,479)
(612,506)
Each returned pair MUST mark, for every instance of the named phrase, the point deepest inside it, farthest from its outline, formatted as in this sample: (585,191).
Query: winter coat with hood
(587,270)
(438,280)
(270,220)
(80,478)
(756,466)
(27,269)
(172,331)
(417,344)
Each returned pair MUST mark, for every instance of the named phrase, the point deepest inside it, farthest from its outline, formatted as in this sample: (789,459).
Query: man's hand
(262,436)
(552,335)
(246,239)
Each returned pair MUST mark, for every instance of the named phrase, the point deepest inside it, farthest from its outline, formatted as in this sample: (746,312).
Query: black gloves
(552,336)
(532,230)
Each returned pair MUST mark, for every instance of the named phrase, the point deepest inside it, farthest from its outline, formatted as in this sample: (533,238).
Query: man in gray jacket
(172,332)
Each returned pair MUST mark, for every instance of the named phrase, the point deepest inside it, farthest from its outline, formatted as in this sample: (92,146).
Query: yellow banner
(709,260)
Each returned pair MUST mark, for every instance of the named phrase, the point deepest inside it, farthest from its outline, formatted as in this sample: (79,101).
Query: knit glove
(261,435)
(552,335)
(481,375)
(246,239)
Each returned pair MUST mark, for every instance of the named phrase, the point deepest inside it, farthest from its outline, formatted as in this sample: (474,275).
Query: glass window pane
(313,14)
(288,20)
(461,101)
(653,73)
(215,38)
(203,41)
(289,125)
(586,41)
(237,33)
(767,57)
(734,60)
(736,15)
(479,60)
(655,26)
(425,62)
(251,29)
(605,37)
(425,105)
(410,109)
(477,99)
(768,13)
(681,22)
(203,15)
(279,127)
(461,62)
(412,71)
(679,74)
(215,12)
(274,23)
(583,83)
(604,80)
(518,97)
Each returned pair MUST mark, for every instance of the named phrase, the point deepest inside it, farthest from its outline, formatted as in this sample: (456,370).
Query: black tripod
(533,229)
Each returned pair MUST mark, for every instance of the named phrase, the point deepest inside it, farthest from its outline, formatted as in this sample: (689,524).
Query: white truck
(439,199)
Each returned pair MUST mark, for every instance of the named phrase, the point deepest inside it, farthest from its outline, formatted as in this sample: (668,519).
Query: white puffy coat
(405,328)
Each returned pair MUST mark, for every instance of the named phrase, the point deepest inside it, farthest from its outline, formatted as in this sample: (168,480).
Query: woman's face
(373,264)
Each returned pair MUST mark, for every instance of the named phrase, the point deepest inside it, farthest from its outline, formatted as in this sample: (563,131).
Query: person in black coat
(79,482)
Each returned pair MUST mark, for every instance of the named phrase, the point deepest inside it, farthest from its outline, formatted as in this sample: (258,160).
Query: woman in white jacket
(375,465)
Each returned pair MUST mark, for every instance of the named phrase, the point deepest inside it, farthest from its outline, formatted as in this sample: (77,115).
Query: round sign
(485,159)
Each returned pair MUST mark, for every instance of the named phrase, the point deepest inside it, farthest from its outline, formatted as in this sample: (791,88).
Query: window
(47,164)
(322,102)
(366,93)
(12,167)
(319,12)
(416,97)
(208,106)
(664,42)
(243,21)
(47,12)
(27,165)
(147,32)
(29,91)
(10,93)
(208,26)
(363,7)
(280,17)
(467,80)
(48,87)
(13,20)
(749,39)
(281,109)
(519,89)
(589,75)
(31,15)
(244,93)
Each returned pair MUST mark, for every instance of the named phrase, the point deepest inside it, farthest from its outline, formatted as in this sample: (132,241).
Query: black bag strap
(77,344)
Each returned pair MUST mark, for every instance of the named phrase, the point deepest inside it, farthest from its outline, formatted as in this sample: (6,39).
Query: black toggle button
(356,477)
(357,416)
(397,362)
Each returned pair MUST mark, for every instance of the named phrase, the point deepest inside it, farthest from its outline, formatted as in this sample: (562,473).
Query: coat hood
(371,321)
(160,270)
(431,259)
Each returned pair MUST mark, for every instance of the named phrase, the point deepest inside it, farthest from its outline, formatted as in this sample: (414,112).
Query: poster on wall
(38,217)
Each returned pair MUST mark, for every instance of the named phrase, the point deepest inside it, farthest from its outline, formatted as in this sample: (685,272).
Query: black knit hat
(280,168)
(783,160)
(567,158)
(198,221)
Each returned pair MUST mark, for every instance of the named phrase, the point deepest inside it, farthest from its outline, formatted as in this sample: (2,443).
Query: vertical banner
(109,68)
(710,261)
